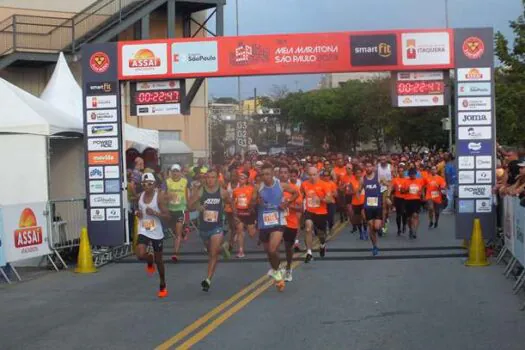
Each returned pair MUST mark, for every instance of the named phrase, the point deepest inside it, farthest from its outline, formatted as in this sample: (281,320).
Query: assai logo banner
(144,59)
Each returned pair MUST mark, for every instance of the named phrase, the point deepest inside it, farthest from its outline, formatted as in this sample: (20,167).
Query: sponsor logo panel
(158,109)
(98,214)
(373,50)
(103,158)
(100,116)
(96,172)
(104,200)
(158,85)
(102,88)
(473,48)
(113,214)
(112,186)
(99,62)
(475,191)
(484,177)
(466,177)
(101,102)
(420,100)
(474,132)
(144,59)
(247,53)
(112,172)
(466,207)
(96,186)
(483,206)
(194,57)
(420,76)
(475,89)
(29,233)
(474,103)
(102,130)
(475,147)
(426,48)
(474,74)
(474,118)
(484,162)
(103,144)
(466,162)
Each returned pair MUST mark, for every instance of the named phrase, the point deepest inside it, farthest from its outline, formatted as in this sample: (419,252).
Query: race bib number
(242,202)
(148,224)
(175,199)
(413,189)
(434,194)
(372,201)
(211,216)
(271,219)
(313,202)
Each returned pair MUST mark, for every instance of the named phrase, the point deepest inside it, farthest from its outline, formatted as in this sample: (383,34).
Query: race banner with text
(103,140)
(286,54)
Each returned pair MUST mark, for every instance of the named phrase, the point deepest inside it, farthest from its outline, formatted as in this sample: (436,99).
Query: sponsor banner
(466,206)
(474,118)
(96,186)
(112,172)
(466,162)
(2,254)
(474,132)
(484,206)
(475,191)
(101,116)
(102,130)
(101,101)
(98,214)
(102,88)
(103,144)
(474,47)
(113,214)
(474,74)
(143,59)
(475,89)
(373,50)
(508,223)
(474,103)
(95,172)
(420,49)
(158,85)
(420,76)
(466,177)
(104,200)
(25,233)
(484,177)
(103,158)
(158,109)
(194,57)
(420,100)
(519,230)
(112,186)
(484,162)
(482,148)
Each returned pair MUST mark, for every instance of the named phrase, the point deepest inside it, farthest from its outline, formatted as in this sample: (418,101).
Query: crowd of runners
(285,199)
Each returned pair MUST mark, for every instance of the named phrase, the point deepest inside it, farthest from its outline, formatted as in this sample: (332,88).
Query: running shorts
(348,199)
(206,235)
(412,206)
(246,217)
(289,235)
(374,213)
(320,221)
(155,243)
(265,233)
(177,217)
(358,209)
(399,204)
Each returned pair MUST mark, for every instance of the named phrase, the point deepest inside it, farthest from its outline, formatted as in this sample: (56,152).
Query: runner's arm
(293,191)
(227,198)
(162,202)
(194,200)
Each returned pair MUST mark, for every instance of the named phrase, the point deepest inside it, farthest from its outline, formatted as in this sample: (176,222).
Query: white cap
(259,163)
(148,177)
(176,167)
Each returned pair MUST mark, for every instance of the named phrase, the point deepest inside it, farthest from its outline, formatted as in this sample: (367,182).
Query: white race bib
(211,216)
(372,201)
(313,202)
(148,224)
(413,189)
(242,202)
(271,218)
(434,194)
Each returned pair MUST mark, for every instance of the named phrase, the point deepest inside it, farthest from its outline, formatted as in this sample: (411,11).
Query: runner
(318,195)
(232,184)
(178,193)
(338,175)
(244,213)
(152,208)
(413,197)
(292,221)
(358,202)
(373,204)
(398,198)
(209,199)
(384,172)
(434,190)
(345,186)
(332,207)
(271,218)
(295,180)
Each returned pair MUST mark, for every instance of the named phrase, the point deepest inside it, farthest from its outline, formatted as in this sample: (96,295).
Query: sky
(304,16)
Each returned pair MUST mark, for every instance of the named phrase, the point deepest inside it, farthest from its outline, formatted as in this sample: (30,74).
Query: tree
(226,100)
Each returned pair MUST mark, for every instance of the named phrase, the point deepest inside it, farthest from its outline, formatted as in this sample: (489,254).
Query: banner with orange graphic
(25,231)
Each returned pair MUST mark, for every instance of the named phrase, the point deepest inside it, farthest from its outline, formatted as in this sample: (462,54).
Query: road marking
(253,290)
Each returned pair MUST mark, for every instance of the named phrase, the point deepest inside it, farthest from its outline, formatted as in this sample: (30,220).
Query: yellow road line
(252,294)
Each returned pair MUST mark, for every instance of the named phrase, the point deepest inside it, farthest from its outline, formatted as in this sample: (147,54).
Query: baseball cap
(175,167)
(259,163)
(521,162)
(148,177)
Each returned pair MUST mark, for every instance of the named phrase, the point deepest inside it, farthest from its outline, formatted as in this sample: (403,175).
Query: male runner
(295,180)
(413,197)
(338,173)
(373,204)
(244,213)
(345,186)
(318,195)
(434,189)
(398,195)
(326,177)
(228,209)
(271,218)
(358,202)
(384,172)
(178,193)
(293,218)
(209,199)
(152,208)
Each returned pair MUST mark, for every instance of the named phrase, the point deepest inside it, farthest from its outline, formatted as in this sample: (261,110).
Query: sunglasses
(148,183)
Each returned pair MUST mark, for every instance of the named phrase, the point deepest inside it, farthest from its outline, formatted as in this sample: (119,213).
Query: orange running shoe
(280,285)
(150,269)
(163,292)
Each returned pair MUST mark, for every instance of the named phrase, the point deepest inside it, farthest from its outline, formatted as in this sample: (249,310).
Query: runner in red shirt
(398,198)
(435,187)
(243,211)
(326,177)
(413,196)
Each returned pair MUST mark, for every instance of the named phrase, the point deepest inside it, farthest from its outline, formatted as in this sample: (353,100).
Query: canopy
(23,113)
(63,91)
(141,138)
(174,147)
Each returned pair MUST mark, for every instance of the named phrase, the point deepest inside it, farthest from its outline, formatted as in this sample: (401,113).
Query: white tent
(23,113)
(140,139)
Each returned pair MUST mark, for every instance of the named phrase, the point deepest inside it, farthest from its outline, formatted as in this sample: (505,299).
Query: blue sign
(113,186)
(475,148)
(2,257)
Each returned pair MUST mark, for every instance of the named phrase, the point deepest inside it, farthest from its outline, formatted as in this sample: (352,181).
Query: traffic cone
(476,253)
(85,257)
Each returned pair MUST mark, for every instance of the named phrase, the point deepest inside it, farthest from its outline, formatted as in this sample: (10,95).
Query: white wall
(48,5)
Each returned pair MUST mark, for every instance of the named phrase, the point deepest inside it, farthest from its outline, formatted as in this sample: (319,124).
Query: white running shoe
(276,275)
(288,276)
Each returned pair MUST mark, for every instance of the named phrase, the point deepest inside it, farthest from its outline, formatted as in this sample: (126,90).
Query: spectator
(451,177)
(513,169)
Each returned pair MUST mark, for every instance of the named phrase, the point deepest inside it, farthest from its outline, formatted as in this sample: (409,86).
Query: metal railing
(66,219)
(53,34)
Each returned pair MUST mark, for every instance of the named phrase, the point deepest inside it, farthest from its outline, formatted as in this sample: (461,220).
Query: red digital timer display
(157,97)
(420,87)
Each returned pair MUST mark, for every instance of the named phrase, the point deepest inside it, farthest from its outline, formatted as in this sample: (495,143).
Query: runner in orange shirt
(358,202)
(398,198)
(413,196)
(326,177)
(435,187)
(243,211)
(318,195)
(293,219)
(338,173)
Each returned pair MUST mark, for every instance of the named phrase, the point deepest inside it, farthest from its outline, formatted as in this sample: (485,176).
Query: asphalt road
(415,295)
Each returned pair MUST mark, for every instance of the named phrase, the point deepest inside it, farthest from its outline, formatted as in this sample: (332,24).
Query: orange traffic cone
(85,257)
(476,253)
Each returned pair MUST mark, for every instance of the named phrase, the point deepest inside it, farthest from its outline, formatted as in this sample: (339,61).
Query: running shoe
(296,247)
(430,225)
(288,276)
(436,225)
(309,257)
(375,251)
(240,254)
(354,229)
(175,258)
(380,232)
(206,284)
(150,269)
(279,282)
(163,292)
(322,250)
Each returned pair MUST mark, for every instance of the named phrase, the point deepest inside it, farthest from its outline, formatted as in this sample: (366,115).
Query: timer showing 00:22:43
(420,87)
(160,96)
